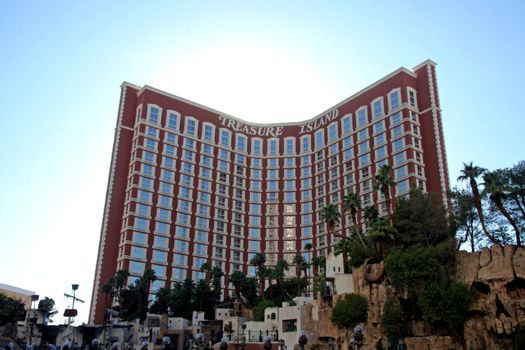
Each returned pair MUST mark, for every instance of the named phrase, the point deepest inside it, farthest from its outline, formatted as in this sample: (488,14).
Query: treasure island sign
(274,131)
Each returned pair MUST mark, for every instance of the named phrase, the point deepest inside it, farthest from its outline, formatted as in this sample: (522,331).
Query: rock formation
(498,276)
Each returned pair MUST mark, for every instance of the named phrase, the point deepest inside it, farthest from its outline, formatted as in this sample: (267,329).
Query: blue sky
(63,62)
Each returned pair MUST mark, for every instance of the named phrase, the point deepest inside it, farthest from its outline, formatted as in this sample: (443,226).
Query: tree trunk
(506,214)
(477,201)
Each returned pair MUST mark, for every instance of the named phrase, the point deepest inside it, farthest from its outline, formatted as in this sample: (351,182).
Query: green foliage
(446,305)
(410,270)
(392,322)
(47,307)
(11,310)
(258,310)
(347,313)
(359,253)
(420,219)
(249,290)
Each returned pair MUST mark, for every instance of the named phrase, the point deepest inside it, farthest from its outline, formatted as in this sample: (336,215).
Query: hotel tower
(190,185)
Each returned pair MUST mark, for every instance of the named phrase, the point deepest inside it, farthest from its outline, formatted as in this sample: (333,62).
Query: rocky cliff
(498,276)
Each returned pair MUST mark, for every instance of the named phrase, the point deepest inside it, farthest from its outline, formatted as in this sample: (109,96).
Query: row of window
(272,148)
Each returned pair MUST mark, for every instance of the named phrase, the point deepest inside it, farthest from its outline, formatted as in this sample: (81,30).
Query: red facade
(189,184)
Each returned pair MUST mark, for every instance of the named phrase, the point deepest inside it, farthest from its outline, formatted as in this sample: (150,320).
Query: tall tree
(465,218)
(343,247)
(298,261)
(47,307)
(384,183)
(469,173)
(516,176)
(331,215)
(237,278)
(216,275)
(143,285)
(352,204)
(495,188)
(382,233)
(259,261)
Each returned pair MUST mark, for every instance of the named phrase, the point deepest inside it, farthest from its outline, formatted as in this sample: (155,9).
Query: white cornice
(380,81)
(424,64)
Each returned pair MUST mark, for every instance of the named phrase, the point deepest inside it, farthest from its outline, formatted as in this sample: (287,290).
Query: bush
(446,304)
(358,254)
(392,321)
(409,270)
(258,310)
(349,312)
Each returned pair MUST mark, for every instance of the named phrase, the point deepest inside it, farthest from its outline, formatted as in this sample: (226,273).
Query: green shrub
(359,253)
(392,322)
(409,270)
(347,313)
(446,305)
(258,310)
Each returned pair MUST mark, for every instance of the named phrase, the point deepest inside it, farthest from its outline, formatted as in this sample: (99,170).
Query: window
(138,253)
(379,139)
(347,124)
(379,126)
(364,160)
(412,97)
(362,119)
(256,146)
(159,256)
(363,134)
(319,139)
(154,114)
(225,138)
(401,172)
(240,143)
(394,100)
(273,147)
(290,146)
(170,137)
(290,325)
(400,158)
(397,131)
(136,267)
(305,144)
(377,107)
(172,121)
(381,152)
(208,132)
(402,186)
(398,145)
(396,118)
(332,132)
(191,125)
(364,147)
(139,237)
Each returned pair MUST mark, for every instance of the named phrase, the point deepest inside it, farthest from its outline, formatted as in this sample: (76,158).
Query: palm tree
(331,215)
(319,263)
(495,187)
(382,233)
(278,273)
(259,261)
(384,183)
(343,247)
(237,278)
(206,268)
(298,261)
(371,214)
(120,281)
(470,172)
(216,274)
(352,203)
(143,286)
(308,247)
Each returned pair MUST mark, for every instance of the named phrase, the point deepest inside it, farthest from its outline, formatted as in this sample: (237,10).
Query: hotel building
(190,185)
